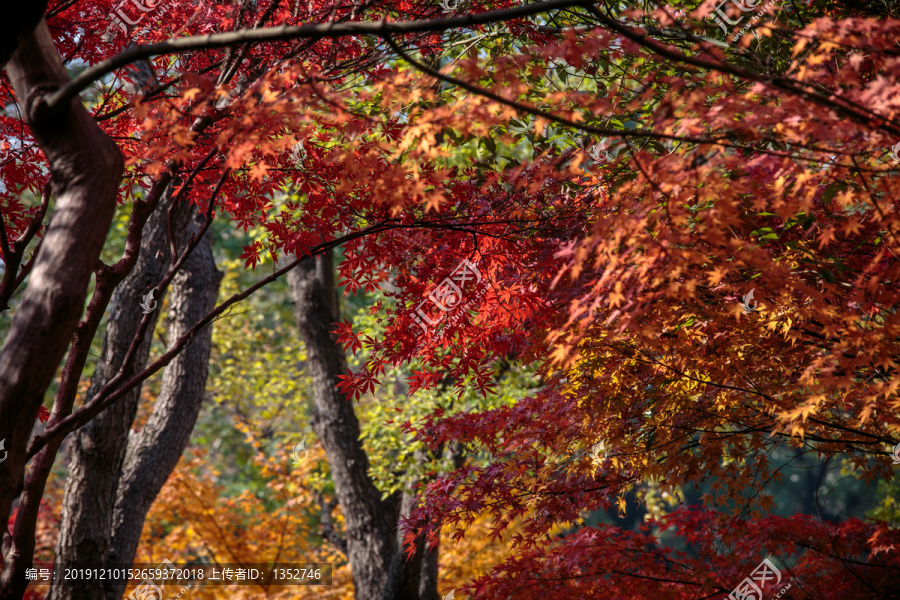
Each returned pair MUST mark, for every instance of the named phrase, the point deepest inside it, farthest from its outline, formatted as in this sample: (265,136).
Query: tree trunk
(428,578)
(86,170)
(152,453)
(99,447)
(404,574)
(114,476)
(369,521)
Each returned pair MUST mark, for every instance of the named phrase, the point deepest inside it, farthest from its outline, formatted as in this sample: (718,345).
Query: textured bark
(86,169)
(152,453)
(370,522)
(99,447)
(428,577)
(404,573)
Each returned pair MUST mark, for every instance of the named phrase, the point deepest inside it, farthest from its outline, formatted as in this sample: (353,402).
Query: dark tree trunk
(19,20)
(98,449)
(86,170)
(428,577)
(380,567)
(114,476)
(370,522)
(152,453)
(403,577)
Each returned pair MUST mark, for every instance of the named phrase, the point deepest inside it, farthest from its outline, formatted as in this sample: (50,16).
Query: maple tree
(753,164)
(198,142)
(656,372)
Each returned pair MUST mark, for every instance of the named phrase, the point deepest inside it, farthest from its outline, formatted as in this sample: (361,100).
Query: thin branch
(12,254)
(26,268)
(231,70)
(603,131)
(50,105)
(328,530)
(177,262)
(859,114)
(176,201)
(36,221)
(5,252)
(606,131)
(116,388)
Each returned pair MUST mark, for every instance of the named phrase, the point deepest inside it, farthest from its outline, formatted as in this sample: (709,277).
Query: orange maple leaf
(259,171)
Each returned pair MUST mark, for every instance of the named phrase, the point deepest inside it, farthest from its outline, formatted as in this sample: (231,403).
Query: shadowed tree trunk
(370,522)
(428,574)
(86,169)
(154,451)
(114,476)
(403,577)
(428,582)
(380,568)
(98,448)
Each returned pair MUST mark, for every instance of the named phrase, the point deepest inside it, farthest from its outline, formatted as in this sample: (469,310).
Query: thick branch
(12,254)
(275,34)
